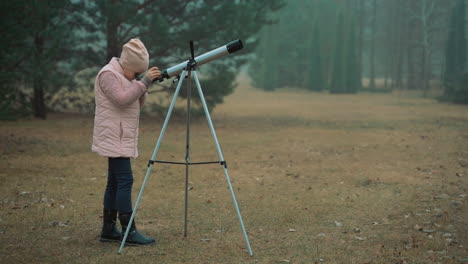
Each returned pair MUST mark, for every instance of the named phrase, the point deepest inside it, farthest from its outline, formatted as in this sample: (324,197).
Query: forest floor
(319,178)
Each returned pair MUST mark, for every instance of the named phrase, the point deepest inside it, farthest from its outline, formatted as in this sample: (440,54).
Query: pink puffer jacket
(118,104)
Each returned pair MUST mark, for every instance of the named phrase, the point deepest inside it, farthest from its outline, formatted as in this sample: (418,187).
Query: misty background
(52,50)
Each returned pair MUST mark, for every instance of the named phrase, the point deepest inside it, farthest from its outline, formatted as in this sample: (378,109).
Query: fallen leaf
(360,238)
(338,224)
(65,238)
(285,261)
(292,230)
(356,230)
(62,224)
(58,223)
(24,193)
(205,239)
(451,241)
(417,227)
(321,235)
(442,196)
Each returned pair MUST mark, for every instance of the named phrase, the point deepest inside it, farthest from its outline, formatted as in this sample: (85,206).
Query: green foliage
(45,42)
(36,42)
(13,105)
(79,99)
(167,26)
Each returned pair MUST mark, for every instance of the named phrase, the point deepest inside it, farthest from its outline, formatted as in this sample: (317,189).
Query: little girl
(119,98)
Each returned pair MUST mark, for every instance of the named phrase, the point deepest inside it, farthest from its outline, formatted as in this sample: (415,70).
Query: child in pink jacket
(119,98)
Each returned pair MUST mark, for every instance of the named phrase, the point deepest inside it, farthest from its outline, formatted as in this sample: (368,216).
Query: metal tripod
(188,71)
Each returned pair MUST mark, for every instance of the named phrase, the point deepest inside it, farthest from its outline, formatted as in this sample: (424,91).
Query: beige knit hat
(134,56)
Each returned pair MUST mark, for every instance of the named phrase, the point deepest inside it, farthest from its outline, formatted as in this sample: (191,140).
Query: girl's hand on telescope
(153,73)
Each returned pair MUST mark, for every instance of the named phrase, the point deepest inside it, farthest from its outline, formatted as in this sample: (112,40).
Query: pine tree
(338,77)
(36,42)
(316,82)
(166,26)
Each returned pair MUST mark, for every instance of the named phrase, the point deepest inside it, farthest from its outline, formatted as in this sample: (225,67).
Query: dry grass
(376,164)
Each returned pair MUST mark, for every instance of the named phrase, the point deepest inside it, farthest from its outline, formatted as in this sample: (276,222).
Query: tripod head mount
(191,63)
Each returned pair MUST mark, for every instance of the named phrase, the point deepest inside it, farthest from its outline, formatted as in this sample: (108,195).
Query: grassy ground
(367,178)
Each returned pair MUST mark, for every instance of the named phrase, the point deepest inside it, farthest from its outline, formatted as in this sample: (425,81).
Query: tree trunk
(395,39)
(361,39)
(111,33)
(372,56)
(400,62)
(410,60)
(424,71)
(38,103)
(38,99)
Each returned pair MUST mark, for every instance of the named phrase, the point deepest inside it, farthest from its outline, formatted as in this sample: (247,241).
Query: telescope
(188,69)
(222,51)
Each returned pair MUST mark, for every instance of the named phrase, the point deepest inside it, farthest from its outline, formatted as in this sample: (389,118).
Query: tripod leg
(153,157)
(213,132)
(187,150)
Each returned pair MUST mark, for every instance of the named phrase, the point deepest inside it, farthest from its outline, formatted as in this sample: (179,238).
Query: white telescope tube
(231,47)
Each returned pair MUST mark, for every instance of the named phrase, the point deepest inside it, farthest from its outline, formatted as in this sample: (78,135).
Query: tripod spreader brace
(223,162)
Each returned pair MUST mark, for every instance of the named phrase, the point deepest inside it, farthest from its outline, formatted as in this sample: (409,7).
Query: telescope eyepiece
(234,46)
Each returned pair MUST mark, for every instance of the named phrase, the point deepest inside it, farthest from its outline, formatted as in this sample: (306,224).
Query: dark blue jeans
(118,194)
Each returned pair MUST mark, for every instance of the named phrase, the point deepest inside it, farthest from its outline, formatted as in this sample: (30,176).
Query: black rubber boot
(109,232)
(134,238)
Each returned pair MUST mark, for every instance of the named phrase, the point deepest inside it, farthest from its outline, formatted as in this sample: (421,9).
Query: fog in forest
(51,50)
